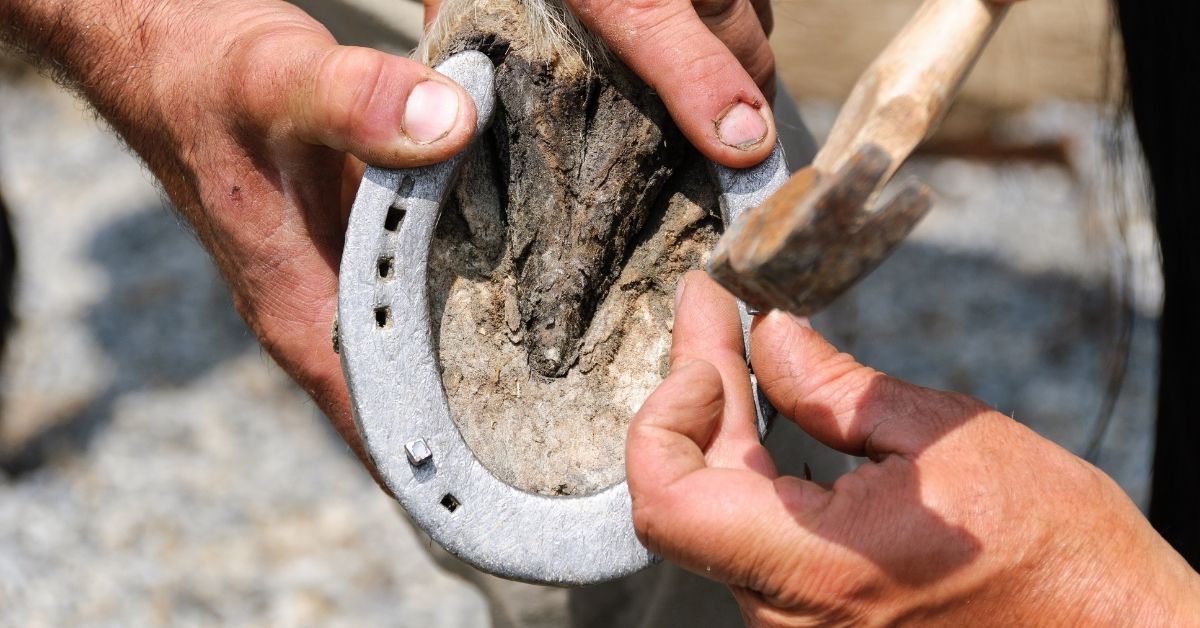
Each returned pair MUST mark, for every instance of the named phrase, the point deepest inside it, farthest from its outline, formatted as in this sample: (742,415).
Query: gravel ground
(161,470)
(168,472)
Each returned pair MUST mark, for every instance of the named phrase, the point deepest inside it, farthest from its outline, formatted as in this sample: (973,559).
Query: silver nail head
(418,452)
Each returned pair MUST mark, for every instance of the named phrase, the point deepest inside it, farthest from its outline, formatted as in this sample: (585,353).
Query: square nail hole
(383,317)
(386,266)
(395,216)
(450,502)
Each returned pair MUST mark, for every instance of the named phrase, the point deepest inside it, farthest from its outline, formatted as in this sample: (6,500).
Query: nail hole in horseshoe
(395,216)
(383,316)
(450,502)
(386,265)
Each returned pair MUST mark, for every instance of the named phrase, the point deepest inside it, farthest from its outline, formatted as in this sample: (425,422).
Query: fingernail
(679,288)
(431,111)
(781,317)
(741,127)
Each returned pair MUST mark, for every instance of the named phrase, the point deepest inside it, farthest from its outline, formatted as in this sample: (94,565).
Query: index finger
(732,525)
(708,328)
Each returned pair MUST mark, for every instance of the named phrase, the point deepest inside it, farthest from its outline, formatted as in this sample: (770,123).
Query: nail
(431,112)
(741,127)
(781,317)
(801,321)
(679,289)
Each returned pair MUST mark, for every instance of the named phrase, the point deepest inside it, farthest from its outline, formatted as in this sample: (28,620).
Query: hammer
(816,236)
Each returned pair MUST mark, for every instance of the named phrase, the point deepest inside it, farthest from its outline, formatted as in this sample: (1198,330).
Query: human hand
(962,516)
(255,121)
(710,62)
(269,191)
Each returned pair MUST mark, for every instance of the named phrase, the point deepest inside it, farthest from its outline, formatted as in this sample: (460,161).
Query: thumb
(385,110)
(842,403)
(735,525)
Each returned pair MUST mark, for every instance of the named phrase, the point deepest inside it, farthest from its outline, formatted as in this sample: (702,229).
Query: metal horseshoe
(399,404)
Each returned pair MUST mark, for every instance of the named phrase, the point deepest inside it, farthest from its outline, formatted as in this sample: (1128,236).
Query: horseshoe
(385,339)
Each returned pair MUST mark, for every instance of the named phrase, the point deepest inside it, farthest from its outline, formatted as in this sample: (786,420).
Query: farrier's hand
(710,62)
(962,516)
(254,120)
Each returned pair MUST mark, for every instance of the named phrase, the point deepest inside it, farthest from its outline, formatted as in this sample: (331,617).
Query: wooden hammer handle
(905,93)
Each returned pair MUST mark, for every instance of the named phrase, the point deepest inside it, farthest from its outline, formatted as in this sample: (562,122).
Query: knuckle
(838,381)
(704,398)
(261,60)
(344,88)
(245,57)
(709,67)
(855,486)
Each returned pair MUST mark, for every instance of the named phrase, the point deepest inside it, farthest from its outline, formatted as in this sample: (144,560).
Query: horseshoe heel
(400,407)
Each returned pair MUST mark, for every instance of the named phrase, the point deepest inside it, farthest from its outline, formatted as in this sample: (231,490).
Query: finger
(668,436)
(431,10)
(716,104)
(708,328)
(728,524)
(385,110)
(739,25)
(847,406)
(766,16)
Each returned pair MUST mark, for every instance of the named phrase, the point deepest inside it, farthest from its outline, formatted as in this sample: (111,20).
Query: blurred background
(157,468)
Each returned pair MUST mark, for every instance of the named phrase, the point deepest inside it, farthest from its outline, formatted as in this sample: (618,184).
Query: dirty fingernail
(431,111)
(742,127)
(801,321)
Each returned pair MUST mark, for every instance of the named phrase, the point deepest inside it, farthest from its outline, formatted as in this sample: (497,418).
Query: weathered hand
(962,516)
(710,62)
(247,111)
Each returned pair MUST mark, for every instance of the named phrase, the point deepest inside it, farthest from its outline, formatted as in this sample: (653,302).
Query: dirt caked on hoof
(554,268)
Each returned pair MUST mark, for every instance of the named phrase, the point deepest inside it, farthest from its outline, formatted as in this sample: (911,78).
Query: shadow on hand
(881,511)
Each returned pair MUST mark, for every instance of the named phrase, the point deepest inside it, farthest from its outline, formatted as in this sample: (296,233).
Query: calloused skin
(961,516)
(257,124)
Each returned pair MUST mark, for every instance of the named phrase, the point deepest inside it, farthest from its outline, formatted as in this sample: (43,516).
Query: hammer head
(815,237)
